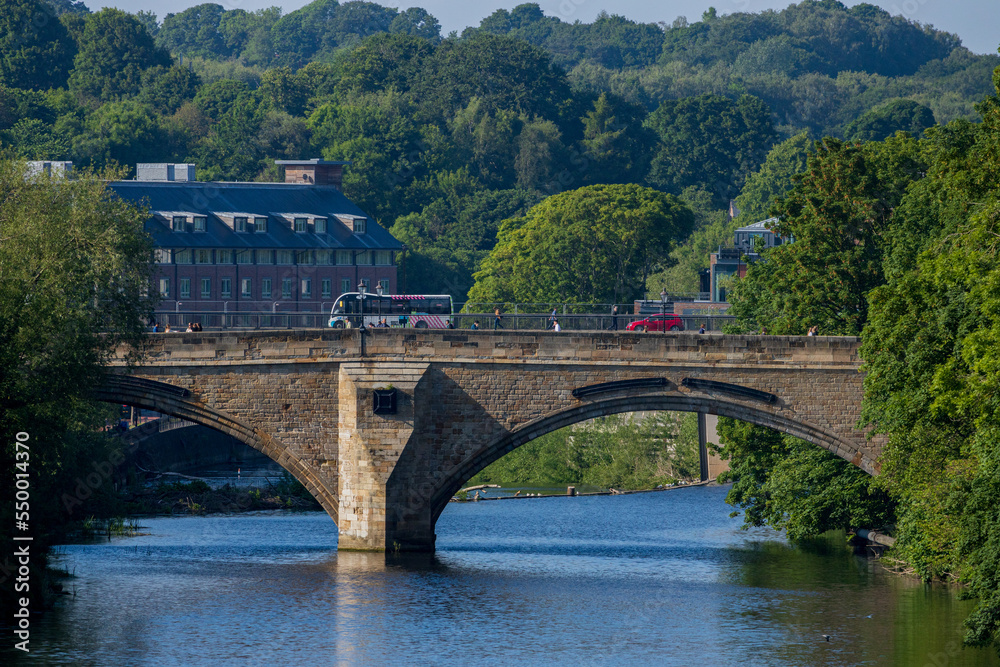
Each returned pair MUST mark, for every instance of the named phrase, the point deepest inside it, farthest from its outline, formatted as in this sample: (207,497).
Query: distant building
(259,247)
(728,261)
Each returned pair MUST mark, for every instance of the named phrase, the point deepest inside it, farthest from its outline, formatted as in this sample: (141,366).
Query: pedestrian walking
(552,319)
(496,319)
(614,318)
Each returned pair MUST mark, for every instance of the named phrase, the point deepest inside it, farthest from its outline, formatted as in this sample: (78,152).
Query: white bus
(431,311)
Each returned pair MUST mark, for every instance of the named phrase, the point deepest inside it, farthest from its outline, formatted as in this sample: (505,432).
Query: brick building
(259,247)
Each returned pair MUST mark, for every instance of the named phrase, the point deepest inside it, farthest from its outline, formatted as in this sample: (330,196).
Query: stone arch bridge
(384,427)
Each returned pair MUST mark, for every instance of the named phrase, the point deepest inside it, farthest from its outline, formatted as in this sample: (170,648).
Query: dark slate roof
(273,200)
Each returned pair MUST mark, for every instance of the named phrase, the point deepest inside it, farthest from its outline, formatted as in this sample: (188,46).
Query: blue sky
(975,21)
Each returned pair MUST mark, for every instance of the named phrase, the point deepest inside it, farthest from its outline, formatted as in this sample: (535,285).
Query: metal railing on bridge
(516,320)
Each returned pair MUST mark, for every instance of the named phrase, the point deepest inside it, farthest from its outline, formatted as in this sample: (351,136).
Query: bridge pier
(371,442)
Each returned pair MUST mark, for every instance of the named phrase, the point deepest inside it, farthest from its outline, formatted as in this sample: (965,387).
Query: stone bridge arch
(179,402)
(508,442)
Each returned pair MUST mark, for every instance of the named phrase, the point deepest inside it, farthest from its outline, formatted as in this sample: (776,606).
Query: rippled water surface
(660,578)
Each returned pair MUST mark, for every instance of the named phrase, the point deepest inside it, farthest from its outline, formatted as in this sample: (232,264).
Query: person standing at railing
(555,326)
(614,318)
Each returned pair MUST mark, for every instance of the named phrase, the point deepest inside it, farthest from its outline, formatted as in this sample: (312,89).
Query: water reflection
(661,578)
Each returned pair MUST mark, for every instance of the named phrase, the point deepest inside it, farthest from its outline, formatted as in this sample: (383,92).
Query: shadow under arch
(178,402)
(672,403)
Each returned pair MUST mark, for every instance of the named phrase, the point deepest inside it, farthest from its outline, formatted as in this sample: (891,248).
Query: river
(654,579)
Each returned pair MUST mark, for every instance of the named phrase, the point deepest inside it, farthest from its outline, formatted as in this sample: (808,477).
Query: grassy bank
(197,497)
(624,451)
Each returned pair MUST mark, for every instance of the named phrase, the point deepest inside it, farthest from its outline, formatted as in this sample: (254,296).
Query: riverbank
(575,494)
(197,497)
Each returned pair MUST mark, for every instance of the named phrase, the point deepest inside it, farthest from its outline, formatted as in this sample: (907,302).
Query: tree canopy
(595,244)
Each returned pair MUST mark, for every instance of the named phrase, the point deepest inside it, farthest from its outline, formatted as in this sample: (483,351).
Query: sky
(974,21)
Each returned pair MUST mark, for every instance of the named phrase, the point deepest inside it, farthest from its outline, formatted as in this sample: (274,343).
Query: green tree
(451,234)
(417,22)
(774,178)
(837,213)
(595,244)
(36,50)
(614,141)
(125,133)
(710,142)
(796,486)
(74,266)
(195,32)
(886,119)
(166,89)
(115,49)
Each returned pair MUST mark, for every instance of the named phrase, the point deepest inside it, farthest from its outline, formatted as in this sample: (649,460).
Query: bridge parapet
(327,345)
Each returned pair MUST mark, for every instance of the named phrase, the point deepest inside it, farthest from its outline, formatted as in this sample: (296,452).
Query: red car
(668,322)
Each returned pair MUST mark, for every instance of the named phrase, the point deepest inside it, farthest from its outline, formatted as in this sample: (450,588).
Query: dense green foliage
(597,244)
(617,452)
(74,262)
(896,239)
(790,484)
(449,136)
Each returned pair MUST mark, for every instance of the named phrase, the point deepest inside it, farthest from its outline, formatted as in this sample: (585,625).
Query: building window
(265,257)
(383,258)
(286,288)
(319,225)
(200,223)
(162,256)
(182,256)
(285,257)
(363,258)
(202,256)
(345,257)
(246,288)
(223,256)
(244,256)
(307,288)
(324,257)
(360,225)
(206,288)
(226,285)
(185,288)
(260,225)
(301,225)
(345,285)
(240,225)
(178,223)
(165,288)
(385,285)
(265,288)
(304,257)
(327,286)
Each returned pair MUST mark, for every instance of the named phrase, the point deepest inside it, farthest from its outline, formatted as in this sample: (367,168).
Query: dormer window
(301,225)
(240,225)
(360,226)
(260,225)
(178,223)
(200,223)
(320,225)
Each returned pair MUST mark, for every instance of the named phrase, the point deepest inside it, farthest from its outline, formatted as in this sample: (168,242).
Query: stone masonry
(466,398)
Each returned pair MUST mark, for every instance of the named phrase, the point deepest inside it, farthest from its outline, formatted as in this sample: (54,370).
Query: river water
(662,578)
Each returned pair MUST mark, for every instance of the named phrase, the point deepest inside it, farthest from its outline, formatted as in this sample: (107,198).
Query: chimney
(313,172)
(50,168)
(164,171)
